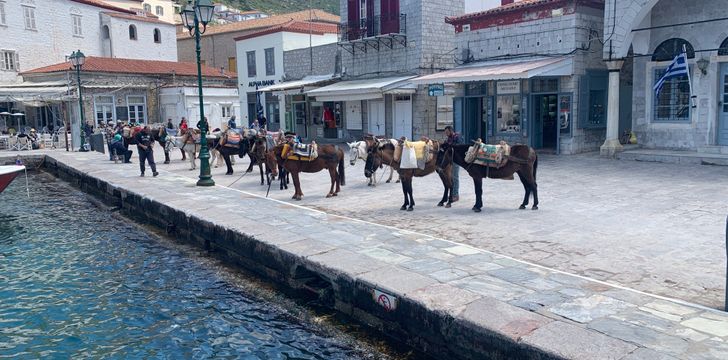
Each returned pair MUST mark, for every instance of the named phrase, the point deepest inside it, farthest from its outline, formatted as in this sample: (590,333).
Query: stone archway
(618,31)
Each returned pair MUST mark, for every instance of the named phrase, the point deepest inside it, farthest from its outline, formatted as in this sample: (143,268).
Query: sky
(480,5)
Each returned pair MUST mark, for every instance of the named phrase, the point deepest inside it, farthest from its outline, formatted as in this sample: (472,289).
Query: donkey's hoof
(522,207)
(388,181)
(440,203)
(229,173)
(335,194)
(476,209)
(329,195)
(449,205)
(397,181)
(410,208)
(535,207)
(166,162)
(404,207)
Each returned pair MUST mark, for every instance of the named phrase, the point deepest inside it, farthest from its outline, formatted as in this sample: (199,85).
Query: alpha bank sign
(261,83)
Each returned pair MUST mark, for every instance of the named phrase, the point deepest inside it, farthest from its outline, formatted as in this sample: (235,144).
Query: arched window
(159,11)
(723,47)
(132,32)
(157,36)
(105,32)
(147,8)
(671,48)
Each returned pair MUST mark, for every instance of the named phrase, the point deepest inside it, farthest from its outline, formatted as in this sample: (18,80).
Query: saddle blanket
(301,152)
(488,155)
(232,138)
(415,154)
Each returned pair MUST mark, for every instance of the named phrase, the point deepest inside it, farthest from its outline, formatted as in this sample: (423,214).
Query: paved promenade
(614,225)
(657,228)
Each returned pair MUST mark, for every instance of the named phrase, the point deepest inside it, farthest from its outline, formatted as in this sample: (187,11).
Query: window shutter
(583,101)
(17,61)
(353,18)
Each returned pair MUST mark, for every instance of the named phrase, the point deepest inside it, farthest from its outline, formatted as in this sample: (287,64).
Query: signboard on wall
(508,87)
(436,90)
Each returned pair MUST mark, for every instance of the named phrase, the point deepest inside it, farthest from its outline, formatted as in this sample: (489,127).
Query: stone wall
(297,63)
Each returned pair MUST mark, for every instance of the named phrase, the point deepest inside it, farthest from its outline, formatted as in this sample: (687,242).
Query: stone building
(642,38)
(384,44)
(218,42)
(528,72)
(131,90)
(262,56)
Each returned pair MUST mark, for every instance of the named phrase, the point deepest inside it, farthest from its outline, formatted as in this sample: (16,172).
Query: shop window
(508,113)
(673,102)
(157,36)
(671,48)
(476,88)
(545,85)
(722,51)
(593,100)
(251,63)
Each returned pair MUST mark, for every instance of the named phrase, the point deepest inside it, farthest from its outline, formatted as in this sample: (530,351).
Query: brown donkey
(383,154)
(522,161)
(329,157)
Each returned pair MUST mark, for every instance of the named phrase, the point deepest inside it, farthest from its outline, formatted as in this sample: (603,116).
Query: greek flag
(679,67)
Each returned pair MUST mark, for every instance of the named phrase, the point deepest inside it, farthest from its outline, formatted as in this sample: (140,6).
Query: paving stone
(462,250)
(396,280)
(587,309)
(641,335)
(306,247)
(385,255)
(574,342)
(538,301)
(709,326)
(671,307)
(444,297)
(516,275)
(491,287)
(500,317)
(449,274)
(347,261)
(425,265)
(647,354)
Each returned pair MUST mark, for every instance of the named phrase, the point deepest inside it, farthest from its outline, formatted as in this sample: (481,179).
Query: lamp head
(703,65)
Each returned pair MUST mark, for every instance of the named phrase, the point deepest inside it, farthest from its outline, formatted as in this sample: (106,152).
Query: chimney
(506,2)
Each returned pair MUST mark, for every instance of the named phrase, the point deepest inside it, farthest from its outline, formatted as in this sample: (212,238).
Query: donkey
(522,160)
(384,154)
(330,156)
(358,150)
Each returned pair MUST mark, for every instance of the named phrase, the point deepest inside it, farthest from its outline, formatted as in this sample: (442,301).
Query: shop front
(526,102)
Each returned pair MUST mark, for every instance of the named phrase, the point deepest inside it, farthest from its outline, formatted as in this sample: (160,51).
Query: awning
(368,89)
(297,86)
(511,70)
(32,93)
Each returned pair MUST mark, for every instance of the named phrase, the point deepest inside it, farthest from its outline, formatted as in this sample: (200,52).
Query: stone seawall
(505,309)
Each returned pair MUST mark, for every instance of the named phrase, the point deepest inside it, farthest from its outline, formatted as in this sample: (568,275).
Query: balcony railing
(373,26)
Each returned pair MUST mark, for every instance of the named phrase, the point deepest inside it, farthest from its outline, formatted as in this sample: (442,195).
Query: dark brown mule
(384,154)
(329,157)
(522,161)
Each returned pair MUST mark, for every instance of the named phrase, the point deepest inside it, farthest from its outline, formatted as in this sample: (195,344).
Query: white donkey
(193,148)
(358,150)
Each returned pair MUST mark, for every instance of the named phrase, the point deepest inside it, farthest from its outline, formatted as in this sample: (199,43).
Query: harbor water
(78,281)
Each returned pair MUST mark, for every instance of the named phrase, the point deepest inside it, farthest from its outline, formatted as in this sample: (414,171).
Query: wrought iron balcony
(380,25)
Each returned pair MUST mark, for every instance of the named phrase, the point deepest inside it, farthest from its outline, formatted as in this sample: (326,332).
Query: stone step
(713,149)
(674,157)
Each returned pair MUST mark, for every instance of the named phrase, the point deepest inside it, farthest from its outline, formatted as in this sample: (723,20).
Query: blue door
(723,113)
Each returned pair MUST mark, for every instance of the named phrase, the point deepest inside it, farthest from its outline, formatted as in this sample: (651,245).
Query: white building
(220,103)
(165,10)
(38,33)
(260,57)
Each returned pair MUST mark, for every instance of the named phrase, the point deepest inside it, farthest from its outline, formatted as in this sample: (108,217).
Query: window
(722,51)
(363,11)
(226,110)
(132,32)
(8,60)
(270,63)
(105,34)
(251,63)
(233,64)
(159,11)
(508,116)
(544,85)
(137,108)
(77,30)
(29,15)
(671,48)
(673,103)
(157,36)
(147,8)
(104,109)
(2,13)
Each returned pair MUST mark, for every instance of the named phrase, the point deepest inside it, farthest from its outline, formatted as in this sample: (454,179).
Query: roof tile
(133,66)
(315,15)
(304,27)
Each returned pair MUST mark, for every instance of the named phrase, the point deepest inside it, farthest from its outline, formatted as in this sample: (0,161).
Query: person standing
(182,131)
(263,123)
(109,133)
(231,123)
(453,138)
(145,144)
(169,124)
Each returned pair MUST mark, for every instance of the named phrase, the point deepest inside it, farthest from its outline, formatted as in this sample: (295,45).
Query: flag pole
(690,78)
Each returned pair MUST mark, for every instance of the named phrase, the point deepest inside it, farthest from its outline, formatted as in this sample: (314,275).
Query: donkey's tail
(342,171)
(535,167)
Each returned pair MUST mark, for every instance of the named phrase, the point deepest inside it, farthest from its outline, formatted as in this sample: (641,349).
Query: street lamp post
(77,60)
(200,13)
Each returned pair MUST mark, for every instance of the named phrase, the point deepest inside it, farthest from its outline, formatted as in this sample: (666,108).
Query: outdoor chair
(4,142)
(47,140)
(13,143)
(24,143)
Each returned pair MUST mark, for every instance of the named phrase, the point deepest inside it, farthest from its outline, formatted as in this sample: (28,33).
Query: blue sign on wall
(436,90)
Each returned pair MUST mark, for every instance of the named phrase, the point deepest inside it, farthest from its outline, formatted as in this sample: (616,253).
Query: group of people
(119,137)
